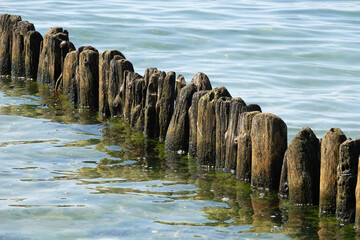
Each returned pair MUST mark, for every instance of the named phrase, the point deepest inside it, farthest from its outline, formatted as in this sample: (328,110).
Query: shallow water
(64,174)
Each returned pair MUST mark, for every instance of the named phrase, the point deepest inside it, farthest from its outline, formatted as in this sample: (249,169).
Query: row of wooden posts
(208,124)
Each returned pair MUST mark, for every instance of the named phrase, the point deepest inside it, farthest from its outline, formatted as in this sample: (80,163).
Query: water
(64,175)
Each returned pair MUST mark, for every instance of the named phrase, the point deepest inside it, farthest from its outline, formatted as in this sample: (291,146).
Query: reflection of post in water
(243,199)
(267,215)
(222,187)
(328,228)
(299,222)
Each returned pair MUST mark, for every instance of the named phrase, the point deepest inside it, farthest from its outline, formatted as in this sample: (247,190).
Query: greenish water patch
(66,177)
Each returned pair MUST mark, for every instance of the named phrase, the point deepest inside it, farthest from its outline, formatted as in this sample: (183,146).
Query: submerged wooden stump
(269,142)
(243,160)
(206,138)
(222,113)
(346,179)
(328,172)
(7,24)
(231,144)
(193,126)
(303,164)
(88,75)
(104,75)
(54,48)
(177,136)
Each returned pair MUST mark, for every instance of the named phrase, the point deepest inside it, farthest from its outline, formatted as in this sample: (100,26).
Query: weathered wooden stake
(104,75)
(20,32)
(231,144)
(303,164)
(88,75)
(328,169)
(346,179)
(151,127)
(177,136)
(118,66)
(206,138)
(180,83)
(222,112)
(53,51)
(269,142)
(193,126)
(69,86)
(284,180)
(243,162)
(165,103)
(7,24)
(357,198)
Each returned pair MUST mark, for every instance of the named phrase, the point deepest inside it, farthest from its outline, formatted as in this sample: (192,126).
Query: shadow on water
(135,165)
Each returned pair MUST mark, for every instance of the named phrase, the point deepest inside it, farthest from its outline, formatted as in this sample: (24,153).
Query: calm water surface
(65,174)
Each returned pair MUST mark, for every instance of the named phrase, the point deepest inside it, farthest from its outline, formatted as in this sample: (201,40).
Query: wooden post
(222,113)
(88,75)
(347,175)
(269,142)
(303,164)
(104,75)
(206,138)
(69,85)
(177,136)
(54,49)
(231,145)
(193,127)
(118,66)
(20,32)
(165,103)
(7,24)
(243,165)
(328,171)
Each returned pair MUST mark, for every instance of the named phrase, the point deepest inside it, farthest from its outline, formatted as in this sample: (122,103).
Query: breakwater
(222,131)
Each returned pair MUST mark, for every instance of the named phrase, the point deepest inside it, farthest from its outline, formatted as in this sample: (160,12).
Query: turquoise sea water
(297,59)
